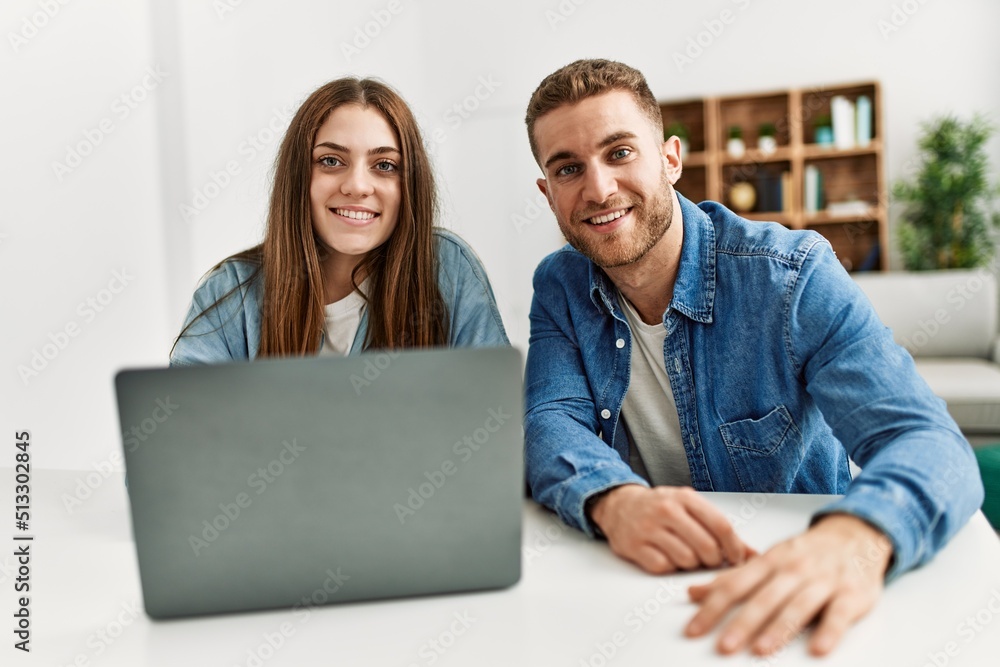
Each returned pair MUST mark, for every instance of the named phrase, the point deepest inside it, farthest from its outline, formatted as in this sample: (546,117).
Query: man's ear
(543,186)
(670,151)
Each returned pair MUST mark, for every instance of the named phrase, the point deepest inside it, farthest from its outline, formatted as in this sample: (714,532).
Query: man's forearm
(918,507)
(567,465)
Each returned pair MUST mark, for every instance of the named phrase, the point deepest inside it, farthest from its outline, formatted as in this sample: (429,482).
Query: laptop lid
(296,482)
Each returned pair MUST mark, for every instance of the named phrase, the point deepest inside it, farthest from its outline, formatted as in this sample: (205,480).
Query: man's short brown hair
(587,78)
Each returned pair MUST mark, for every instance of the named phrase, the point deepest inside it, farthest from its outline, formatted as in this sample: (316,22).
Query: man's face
(608,176)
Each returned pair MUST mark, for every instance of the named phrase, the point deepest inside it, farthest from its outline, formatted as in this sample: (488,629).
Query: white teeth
(354,215)
(604,219)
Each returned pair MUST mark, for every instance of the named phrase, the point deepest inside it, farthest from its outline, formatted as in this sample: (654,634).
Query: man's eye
(621,153)
(386,166)
(567,170)
(329,161)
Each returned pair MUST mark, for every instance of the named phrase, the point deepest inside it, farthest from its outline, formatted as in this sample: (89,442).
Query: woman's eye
(386,166)
(621,153)
(330,161)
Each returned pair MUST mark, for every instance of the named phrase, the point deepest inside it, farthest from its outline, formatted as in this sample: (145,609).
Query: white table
(575,603)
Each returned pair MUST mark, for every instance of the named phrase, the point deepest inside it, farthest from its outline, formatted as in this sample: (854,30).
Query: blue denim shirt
(780,369)
(232,331)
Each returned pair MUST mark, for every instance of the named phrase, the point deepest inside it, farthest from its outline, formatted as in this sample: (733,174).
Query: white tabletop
(576,605)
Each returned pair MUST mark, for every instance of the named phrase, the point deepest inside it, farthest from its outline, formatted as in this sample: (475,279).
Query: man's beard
(620,248)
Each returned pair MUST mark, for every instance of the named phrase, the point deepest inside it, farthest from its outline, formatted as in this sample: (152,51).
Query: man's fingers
(651,559)
(763,605)
(716,523)
(697,592)
(790,620)
(718,596)
(700,547)
(661,553)
(840,614)
(677,549)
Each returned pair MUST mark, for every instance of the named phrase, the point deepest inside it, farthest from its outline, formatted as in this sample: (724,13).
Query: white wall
(65,233)
(232,75)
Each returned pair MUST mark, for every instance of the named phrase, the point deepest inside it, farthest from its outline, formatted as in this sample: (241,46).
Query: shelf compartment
(848,178)
(769,187)
(816,103)
(690,113)
(749,112)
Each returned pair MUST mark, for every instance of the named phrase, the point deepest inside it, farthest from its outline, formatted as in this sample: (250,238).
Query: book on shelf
(770,191)
(863,124)
(813,190)
(842,112)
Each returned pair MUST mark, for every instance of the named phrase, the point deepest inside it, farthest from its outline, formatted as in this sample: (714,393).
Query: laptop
(308,481)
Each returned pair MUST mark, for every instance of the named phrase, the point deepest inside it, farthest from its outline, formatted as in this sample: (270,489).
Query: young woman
(351,259)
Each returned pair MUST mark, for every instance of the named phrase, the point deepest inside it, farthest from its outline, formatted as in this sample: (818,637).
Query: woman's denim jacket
(232,331)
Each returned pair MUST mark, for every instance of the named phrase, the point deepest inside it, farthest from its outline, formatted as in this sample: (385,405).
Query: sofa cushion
(970,387)
(936,313)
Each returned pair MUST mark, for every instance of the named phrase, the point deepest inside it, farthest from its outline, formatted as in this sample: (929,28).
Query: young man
(678,348)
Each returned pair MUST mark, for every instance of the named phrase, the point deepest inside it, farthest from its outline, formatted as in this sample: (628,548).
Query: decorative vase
(824,135)
(742,197)
(767,145)
(735,147)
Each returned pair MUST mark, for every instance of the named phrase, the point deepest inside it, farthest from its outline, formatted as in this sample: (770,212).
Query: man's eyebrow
(607,141)
(616,137)
(561,155)
(381,150)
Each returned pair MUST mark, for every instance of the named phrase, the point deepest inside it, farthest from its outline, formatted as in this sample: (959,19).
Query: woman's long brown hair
(405,308)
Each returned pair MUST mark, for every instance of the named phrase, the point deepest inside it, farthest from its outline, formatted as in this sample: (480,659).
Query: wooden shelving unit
(848,174)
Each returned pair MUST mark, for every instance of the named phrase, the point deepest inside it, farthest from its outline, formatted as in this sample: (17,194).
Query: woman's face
(356,184)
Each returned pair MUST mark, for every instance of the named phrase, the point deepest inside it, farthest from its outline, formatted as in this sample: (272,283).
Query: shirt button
(605,414)
(620,343)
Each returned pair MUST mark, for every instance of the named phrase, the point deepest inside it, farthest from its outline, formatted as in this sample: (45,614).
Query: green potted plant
(767,141)
(735,146)
(947,219)
(679,130)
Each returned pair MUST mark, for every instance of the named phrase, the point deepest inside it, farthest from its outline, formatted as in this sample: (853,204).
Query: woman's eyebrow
(381,150)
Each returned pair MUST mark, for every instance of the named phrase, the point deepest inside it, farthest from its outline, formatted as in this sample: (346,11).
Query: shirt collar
(694,291)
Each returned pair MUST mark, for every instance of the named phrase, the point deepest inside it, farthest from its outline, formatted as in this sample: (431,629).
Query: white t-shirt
(650,414)
(342,321)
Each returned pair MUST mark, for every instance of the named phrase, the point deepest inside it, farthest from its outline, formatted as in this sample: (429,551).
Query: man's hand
(833,572)
(665,529)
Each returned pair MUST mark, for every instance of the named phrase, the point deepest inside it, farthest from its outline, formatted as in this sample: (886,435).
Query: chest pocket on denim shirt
(765,452)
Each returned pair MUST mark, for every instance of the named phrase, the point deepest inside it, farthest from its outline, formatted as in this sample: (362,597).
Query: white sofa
(948,322)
